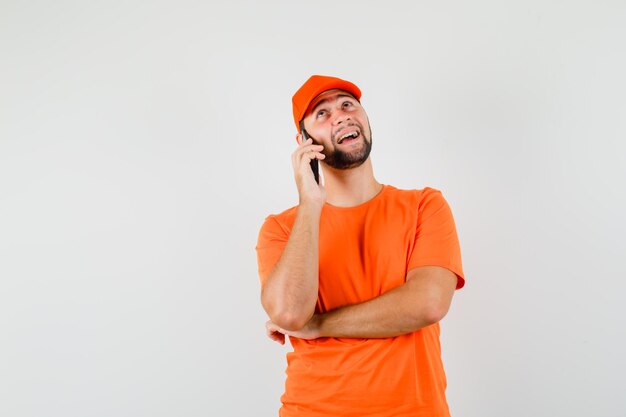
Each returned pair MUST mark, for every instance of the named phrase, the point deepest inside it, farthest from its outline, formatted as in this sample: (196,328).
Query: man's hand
(275,333)
(308,332)
(308,190)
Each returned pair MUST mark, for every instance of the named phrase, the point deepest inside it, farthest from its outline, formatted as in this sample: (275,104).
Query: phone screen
(314,163)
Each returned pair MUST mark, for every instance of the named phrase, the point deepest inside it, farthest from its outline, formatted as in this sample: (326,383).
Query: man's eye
(321,113)
(347,104)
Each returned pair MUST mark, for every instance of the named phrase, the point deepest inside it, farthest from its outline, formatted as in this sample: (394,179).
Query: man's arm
(424,299)
(290,291)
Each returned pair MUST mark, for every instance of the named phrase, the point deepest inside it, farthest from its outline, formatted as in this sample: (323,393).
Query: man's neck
(350,187)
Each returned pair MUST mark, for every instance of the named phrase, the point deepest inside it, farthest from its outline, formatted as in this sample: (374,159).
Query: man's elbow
(431,314)
(286,317)
(436,314)
(290,321)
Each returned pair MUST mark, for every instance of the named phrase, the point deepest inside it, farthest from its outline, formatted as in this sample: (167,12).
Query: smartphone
(314,162)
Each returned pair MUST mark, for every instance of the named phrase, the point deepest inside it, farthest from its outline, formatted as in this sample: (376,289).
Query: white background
(143,143)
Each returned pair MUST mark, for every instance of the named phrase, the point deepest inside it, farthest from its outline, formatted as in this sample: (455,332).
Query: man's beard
(339,159)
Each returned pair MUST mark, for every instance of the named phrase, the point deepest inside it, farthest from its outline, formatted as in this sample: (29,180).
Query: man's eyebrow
(327,99)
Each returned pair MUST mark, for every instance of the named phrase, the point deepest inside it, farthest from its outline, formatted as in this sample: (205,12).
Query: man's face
(337,121)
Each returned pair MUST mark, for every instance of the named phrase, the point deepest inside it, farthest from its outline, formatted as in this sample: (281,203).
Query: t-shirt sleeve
(436,240)
(270,244)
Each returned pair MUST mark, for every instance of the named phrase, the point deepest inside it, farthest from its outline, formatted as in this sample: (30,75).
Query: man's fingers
(274,332)
(307,144)
(302,147)
(311,155)
(278,337)
(307,153)
(309,150)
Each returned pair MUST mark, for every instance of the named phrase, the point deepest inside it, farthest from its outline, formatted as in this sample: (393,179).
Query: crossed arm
(424,299)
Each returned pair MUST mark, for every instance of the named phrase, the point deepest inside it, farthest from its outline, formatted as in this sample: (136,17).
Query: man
(358,275)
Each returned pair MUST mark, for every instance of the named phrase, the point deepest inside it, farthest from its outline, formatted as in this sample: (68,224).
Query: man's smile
(348,134)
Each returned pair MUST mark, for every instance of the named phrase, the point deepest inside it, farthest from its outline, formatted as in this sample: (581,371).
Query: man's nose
(341,117)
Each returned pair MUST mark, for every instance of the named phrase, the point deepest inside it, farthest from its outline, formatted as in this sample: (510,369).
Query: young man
(358,275)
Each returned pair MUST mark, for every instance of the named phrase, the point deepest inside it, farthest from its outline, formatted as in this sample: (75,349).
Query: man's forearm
(383,316)
(290,292)
(423,300)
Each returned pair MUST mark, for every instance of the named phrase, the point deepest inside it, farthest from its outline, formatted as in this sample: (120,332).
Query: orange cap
(312,88)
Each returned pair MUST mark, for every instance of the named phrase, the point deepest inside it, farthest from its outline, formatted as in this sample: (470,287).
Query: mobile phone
(314,163)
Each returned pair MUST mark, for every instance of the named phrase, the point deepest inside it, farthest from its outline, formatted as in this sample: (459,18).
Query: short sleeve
(270,244)
(436,240)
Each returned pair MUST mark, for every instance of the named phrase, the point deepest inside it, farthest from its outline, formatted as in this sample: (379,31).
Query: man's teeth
(348,135)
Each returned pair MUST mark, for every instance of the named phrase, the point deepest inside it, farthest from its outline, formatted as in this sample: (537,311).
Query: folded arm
(290,292)
(424,299)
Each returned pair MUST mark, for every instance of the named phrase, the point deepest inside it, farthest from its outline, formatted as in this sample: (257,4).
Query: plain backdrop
(142,143)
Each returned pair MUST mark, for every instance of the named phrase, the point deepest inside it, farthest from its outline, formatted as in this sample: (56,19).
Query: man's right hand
(309,191)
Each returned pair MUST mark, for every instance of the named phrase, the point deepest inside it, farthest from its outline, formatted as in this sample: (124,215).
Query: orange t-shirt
(365,251)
